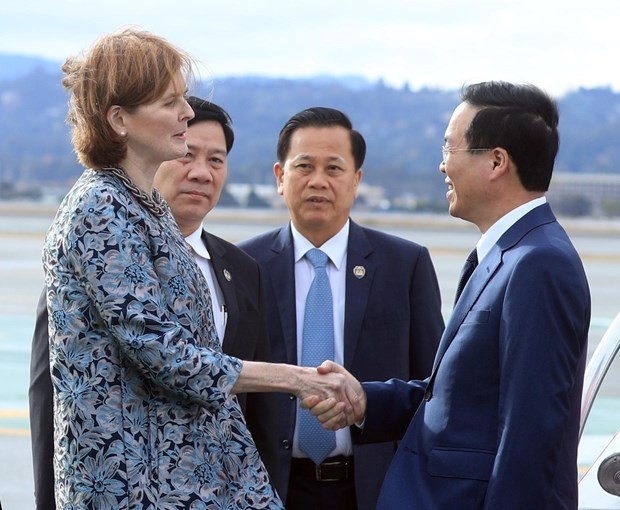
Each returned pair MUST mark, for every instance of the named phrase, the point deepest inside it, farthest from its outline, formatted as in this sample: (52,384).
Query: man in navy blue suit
(386,302)
(496,424)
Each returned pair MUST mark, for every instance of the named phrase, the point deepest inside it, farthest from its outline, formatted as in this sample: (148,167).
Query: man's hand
(332,412)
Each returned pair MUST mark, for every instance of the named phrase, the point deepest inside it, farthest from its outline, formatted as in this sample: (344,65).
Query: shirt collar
(197,244)
(335,247)
(497,230)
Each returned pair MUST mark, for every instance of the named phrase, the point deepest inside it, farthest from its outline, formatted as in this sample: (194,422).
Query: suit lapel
(484,272)
(281,269)
(360,272)
(225,277)
(477,282)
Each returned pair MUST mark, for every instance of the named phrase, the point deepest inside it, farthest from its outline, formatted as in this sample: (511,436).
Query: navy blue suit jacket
(245,337)
(393,324)
(498,428)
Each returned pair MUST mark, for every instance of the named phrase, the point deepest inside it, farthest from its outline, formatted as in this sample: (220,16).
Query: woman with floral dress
(145,410)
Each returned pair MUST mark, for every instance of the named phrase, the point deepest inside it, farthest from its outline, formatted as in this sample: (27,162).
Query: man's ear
(499,158)
(278,172)
(358,179)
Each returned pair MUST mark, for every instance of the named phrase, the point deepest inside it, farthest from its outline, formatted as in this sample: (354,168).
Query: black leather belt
(332,469)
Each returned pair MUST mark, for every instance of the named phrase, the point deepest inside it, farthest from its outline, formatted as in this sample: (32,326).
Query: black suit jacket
(239,277)
(393,324)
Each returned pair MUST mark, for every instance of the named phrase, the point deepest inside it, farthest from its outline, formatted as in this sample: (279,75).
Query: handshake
(332,395)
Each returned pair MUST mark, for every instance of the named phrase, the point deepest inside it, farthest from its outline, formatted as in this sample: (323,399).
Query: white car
(599,486)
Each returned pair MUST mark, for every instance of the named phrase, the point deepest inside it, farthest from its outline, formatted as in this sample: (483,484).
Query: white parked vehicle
(599,487)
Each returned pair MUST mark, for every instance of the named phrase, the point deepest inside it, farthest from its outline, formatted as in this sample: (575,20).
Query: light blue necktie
(318,345)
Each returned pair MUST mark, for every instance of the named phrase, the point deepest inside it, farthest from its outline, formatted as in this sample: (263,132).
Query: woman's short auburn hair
(126,68)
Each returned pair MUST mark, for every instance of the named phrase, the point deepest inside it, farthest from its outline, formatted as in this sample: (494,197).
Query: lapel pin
(227,275)
(359,272)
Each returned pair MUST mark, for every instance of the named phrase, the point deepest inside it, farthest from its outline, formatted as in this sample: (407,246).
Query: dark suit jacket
(245,338)
(392,327)
(500,430)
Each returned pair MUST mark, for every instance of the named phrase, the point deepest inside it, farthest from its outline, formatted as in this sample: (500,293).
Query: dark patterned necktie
(466,272)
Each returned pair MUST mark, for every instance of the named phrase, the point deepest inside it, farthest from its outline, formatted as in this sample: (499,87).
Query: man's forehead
(460,120)
(205,133)
(310,156)
(309,140)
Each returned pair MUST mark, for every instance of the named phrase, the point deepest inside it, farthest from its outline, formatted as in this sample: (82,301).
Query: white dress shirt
(499,228)
(203,259)
(336,250)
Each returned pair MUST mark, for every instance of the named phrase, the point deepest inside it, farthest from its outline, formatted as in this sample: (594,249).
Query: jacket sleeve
(389,409)
(40,399)
(147,293)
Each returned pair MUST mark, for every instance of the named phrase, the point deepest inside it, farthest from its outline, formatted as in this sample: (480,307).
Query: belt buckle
(318,471)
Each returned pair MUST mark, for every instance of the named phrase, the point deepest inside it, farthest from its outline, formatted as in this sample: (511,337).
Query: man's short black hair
(205,110)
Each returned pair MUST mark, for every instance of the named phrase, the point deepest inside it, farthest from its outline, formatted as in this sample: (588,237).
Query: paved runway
(16,487)
(21,278)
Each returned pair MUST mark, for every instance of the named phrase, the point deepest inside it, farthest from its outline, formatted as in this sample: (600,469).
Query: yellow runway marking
(14,432)
(13,413)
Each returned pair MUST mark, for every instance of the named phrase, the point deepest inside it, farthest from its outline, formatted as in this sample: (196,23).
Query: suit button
(286,444)
(291,397)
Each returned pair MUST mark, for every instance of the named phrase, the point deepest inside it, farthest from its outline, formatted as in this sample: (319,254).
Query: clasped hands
(335,397)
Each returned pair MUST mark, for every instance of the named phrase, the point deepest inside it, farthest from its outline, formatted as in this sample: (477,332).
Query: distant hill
(16,66)
(403,128)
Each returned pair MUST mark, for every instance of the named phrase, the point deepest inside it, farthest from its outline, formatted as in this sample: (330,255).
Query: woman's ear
(116,120)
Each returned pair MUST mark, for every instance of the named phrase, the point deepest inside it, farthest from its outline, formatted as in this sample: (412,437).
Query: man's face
(465,171)
(192,184)
(319,181)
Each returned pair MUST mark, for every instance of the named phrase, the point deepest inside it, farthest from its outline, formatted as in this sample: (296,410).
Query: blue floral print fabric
(144,415)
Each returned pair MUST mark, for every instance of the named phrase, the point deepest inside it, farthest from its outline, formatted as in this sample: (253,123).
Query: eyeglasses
(447,150)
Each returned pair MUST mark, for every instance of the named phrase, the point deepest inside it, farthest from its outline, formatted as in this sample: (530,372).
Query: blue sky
(558,45)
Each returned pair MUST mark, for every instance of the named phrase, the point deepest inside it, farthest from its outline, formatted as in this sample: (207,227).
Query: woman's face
(156,131)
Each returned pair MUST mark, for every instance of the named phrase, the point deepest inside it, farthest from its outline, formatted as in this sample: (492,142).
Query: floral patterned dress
(144,415)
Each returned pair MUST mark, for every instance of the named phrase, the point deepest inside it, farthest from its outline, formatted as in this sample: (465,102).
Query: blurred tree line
(403,129)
